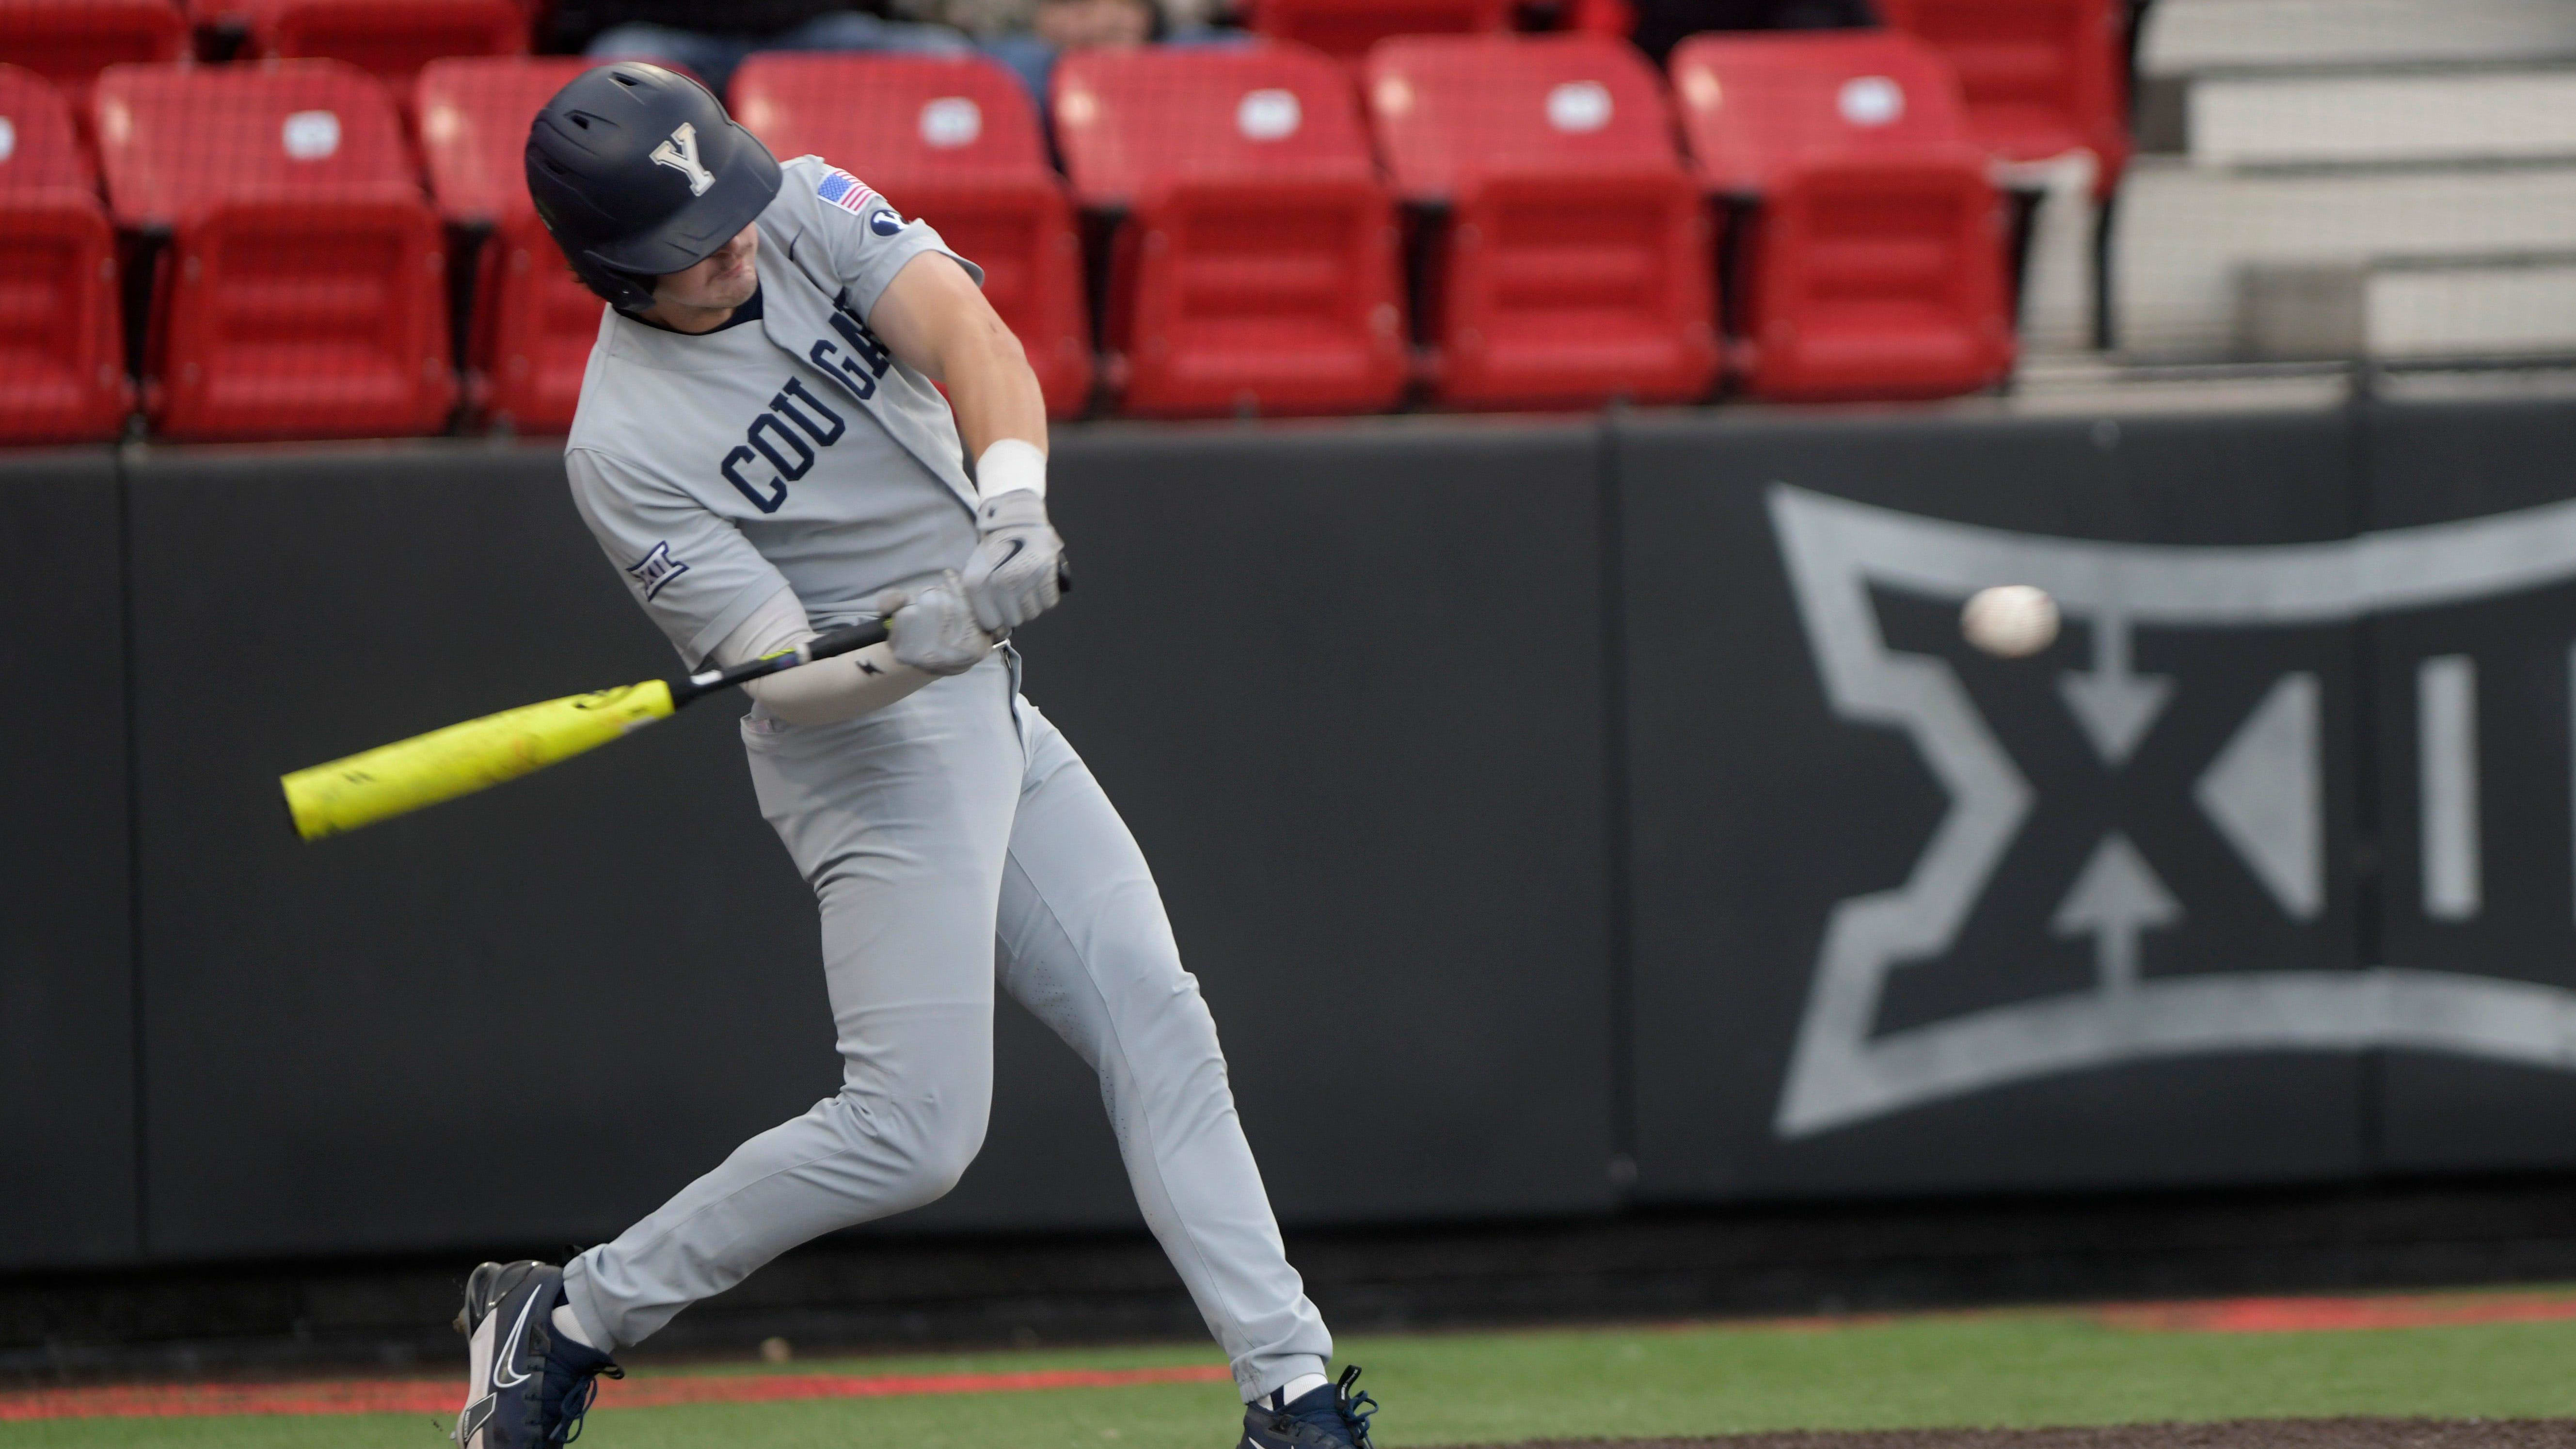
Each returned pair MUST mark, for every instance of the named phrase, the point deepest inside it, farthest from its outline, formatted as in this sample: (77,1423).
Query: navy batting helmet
(638,173)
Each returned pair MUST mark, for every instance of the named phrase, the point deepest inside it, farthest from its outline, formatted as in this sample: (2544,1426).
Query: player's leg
(899,819)
(1085,945)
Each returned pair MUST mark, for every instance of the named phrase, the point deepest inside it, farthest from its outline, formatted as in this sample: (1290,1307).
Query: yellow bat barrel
(463,758)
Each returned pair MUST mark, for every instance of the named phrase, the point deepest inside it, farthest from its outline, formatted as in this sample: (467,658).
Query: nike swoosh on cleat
(509,1353)
(471,1422)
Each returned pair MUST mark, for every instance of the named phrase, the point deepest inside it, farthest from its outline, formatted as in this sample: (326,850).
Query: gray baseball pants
(953,839)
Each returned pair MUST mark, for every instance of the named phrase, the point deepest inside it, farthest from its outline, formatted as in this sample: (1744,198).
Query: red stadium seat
(2042,77)
(62,369)
(533,339)
(1870,261)
(1877,279)
(1571,260)
(534,322)
(957,142)
(39,150)
(1347,28)
(173,136)
(1753,105)
(302,293)
(891,117)
(69,41)
(1256,263)
(391,38)
(474,114)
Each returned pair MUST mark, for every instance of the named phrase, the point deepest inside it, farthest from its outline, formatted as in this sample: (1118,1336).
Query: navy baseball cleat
(530,1385)
(1331,1417)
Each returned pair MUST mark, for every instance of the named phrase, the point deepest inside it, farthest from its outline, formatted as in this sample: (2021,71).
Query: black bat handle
(847,639)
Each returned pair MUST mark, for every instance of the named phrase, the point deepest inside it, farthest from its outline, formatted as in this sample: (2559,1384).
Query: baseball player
(761,452)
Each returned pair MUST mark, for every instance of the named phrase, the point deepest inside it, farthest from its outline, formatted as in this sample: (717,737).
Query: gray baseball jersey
(791,451)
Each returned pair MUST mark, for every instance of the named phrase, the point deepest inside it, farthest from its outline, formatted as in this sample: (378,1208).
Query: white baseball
(2011,621)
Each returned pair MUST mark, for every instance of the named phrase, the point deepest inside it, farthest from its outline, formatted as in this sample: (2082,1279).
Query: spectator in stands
(1663,24)
(709,38)
(1027,35)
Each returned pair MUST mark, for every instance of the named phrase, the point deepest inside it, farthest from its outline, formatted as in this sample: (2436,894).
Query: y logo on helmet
(680,153)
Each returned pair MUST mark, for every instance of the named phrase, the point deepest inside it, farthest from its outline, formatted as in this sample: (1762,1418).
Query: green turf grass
(2003,1368)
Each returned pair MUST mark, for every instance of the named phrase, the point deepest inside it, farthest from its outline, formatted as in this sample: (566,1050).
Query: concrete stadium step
(2183,237)
(2403,309)
(2346,119)
(2500,309)
(2185,37)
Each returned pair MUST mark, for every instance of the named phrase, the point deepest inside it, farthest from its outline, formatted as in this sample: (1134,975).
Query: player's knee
(922,1134)
(945,1161)
(909,1152)
(946,1133)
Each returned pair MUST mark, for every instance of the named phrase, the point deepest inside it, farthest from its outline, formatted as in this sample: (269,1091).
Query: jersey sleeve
(867,240)
(693,571)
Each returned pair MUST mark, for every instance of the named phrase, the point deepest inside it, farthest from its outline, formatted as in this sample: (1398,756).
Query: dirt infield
(2244,1434)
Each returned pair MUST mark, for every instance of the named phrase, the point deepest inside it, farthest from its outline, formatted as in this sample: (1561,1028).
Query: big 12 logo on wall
(2196,850)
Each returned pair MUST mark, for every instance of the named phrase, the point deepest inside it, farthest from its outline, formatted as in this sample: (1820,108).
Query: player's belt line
(438,1396)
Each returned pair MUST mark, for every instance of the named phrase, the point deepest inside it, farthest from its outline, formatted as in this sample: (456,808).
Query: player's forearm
(991,389)
(831,690)
(935,319)
(826,691)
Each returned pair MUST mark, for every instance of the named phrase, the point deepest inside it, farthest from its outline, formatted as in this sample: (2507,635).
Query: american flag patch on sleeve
(845,191)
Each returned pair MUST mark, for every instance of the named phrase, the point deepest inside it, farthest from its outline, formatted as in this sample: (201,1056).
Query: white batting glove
(1012,577)
(934,630)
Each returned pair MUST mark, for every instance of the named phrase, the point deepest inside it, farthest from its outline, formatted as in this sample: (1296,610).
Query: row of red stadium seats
(70,41)
(1254,213)
(2041,76)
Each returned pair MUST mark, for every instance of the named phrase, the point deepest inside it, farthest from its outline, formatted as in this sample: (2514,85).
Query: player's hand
(1012,577)
(934,630)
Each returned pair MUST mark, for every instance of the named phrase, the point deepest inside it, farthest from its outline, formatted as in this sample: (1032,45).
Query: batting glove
(1012,577)
(933,630)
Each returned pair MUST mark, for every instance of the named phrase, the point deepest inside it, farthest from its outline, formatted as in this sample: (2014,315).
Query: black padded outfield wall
(2262,872)
(67,1119)
(611,968)
(1346,688)
(2472,653)
(1555,816)
(607,968)
(1911,918)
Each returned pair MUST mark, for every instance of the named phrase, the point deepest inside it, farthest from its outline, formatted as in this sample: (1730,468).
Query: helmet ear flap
(621,290)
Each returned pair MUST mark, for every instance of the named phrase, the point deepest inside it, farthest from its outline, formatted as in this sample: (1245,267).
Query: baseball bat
(413,774)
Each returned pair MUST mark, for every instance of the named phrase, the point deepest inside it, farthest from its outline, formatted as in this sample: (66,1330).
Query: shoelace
(1348,1412)
(1356,1409)
(577,1401)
